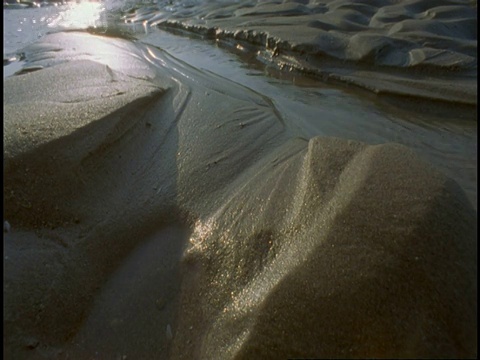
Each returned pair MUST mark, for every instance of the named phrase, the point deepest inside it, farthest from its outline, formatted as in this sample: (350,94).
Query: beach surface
(155,209)
(407,49)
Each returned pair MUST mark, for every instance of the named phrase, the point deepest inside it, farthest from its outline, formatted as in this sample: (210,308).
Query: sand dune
(133,178)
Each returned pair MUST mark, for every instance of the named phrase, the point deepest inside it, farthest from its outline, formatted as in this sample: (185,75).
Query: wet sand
(158,211)
(419,48)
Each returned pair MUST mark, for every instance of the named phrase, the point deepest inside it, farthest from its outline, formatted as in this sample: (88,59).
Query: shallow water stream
(312,108)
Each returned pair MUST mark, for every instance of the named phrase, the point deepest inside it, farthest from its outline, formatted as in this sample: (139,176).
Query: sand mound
(130,177)
(324,253)
(380,44)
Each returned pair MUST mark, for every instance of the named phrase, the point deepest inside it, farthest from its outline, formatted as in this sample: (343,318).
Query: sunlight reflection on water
(80,16)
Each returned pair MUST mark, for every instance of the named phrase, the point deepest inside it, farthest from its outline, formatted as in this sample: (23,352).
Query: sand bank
(157,211)
(423,49)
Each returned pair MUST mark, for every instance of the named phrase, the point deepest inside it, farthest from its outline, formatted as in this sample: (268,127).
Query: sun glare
(80,16)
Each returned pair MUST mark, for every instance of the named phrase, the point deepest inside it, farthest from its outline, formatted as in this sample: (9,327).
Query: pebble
(169,332)
(32,343)
(6,226)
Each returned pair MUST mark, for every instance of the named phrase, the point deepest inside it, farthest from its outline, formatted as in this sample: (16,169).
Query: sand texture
(425,49)
(157,211)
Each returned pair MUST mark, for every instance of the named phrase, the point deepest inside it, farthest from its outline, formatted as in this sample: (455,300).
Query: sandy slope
(157,211)
(425,49)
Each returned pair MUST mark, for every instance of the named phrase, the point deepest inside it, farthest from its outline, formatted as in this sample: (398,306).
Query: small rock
(32,344)
(169,332)
(6,226)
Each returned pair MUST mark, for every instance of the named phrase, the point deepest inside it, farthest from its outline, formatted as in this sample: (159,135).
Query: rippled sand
(419,48)
(159,211)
